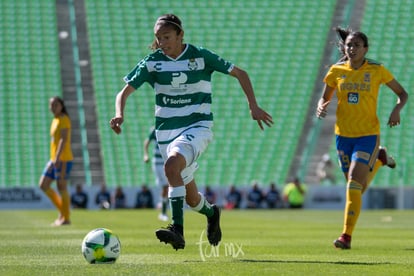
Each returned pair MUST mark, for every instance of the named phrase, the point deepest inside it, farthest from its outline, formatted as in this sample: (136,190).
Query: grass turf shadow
(314,262)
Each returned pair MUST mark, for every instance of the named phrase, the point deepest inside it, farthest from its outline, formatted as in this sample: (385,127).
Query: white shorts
(190,144)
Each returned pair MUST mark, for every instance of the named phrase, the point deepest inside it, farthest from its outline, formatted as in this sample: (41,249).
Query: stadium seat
(29,72)
(272,40)
(387,28)
(259,37)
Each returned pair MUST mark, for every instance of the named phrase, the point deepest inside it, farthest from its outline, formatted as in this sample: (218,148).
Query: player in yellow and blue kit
(61,159)
(356,81)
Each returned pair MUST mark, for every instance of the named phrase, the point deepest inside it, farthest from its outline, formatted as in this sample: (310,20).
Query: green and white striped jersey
(182,88)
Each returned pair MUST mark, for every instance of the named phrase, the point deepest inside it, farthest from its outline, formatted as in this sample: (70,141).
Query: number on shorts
(345,162)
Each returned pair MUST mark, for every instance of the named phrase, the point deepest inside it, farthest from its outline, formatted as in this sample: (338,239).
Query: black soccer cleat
(213,227)
(172,234)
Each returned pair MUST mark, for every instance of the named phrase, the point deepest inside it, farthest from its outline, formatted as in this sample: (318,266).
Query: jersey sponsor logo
(178,78)
(353,98)
(179,101)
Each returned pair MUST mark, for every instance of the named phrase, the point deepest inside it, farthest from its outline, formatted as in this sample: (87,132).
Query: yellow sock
(353,206)
(378,164)
(54,197)
(65,210)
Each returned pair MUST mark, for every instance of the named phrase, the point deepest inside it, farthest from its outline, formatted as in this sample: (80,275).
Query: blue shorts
(360,149)
(56,173)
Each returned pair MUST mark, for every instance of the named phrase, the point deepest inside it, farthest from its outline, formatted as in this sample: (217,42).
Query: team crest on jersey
(367,77)
(192,64)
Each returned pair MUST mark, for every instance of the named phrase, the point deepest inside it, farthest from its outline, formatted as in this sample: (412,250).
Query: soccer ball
(101,246)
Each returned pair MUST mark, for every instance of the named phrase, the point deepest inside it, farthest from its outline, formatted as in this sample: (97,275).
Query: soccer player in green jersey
(180,74)
(357,80)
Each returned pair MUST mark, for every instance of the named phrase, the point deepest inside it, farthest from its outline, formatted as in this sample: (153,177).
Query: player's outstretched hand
(261,117)
(321,110)
(116,123)
(394,119)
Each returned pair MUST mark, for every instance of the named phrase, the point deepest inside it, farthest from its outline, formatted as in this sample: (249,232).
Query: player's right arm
(120,102)
(324,101)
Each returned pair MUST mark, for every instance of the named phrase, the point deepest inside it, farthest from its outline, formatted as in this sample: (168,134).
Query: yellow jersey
(357,93)
(57,125)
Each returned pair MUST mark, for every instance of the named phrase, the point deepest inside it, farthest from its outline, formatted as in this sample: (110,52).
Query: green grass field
(280,242)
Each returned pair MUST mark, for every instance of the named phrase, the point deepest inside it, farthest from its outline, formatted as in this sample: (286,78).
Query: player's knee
(43,187)
(173,167)
(44,184)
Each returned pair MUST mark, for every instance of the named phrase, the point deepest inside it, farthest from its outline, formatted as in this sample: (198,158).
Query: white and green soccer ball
(101,246)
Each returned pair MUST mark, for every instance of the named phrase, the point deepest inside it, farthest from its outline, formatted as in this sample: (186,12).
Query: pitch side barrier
(318,197)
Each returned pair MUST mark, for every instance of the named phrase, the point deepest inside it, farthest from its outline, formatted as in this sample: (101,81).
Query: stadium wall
(319,197)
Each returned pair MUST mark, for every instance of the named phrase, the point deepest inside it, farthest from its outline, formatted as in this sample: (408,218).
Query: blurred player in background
(60,164)
(325,170)
(180,74)
(357,80)
(157,166)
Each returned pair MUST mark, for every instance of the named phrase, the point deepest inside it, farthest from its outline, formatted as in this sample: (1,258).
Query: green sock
(207,210)
(177,210)
(204,207)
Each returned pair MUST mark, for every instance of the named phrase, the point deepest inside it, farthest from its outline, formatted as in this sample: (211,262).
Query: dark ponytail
(342,35)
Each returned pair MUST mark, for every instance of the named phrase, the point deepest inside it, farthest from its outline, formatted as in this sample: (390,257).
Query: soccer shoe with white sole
(213,227)
(172,234)
(343,242)
(163,217)
(385,158)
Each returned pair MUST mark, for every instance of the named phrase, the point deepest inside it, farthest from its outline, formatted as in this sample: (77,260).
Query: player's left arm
(397,88)
(256,112)
(146,151)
